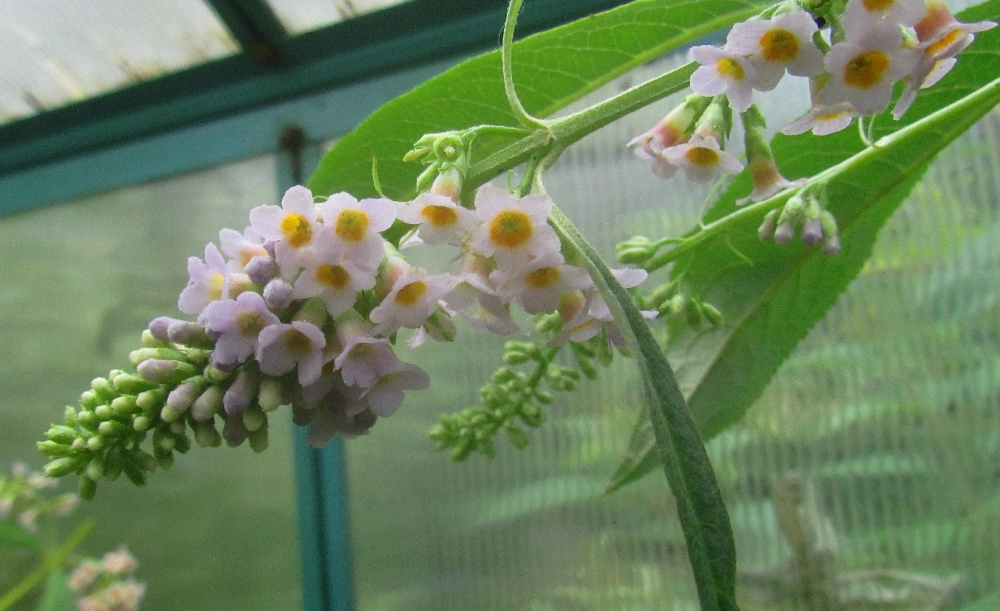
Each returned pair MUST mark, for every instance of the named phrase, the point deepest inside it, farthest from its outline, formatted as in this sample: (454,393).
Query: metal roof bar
(375,44)
(254,26)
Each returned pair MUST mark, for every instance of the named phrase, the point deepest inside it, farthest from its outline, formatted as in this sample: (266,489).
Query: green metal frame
(323,82)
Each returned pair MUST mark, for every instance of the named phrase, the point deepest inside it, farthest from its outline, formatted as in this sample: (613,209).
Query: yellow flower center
(250,252)
(409,294)
(296,229)
(511,229)
(297,343)
(866,70)
(833,116)
(729,68)
(439,216)
(779,45)
(352,225)
(701,156)
(249,323)
(542,277)
(215,283)
(333,276)
(877,6)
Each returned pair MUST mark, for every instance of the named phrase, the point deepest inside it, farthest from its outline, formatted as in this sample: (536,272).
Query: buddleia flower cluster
(107,584)
(852,53)
(304,308)
(26,497)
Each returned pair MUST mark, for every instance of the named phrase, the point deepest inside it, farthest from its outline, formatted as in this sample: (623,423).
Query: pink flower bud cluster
(107,585)
(24,498)
(312,292)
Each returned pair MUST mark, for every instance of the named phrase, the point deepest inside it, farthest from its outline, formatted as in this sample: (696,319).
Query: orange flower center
(249,323)
(296,229)
(877,6)
(439,216)
(779,45)
(333,276)
(215,283)
(542,277)
(511,229)
(729,68)
(701,156)
(409,294)
(351,225)
(866,70)
(946,41)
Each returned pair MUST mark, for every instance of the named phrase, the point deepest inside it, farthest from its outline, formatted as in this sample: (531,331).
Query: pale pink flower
(119,562)
(863,69)
(291,226)
(413,298)
(386,395)
(83,575)
(860,14)
(701,158)
(723,71)
(775,45)
(282,347)
(330,275)
(538,284)
(207,281)
(440,220)
(363,357)
(673,129)
(596,315)
(513,229)
(238,324)
(240,248)
(357,224)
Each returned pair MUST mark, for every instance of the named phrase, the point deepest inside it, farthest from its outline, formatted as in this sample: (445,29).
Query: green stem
(507,52)
(700,507)
(49,564)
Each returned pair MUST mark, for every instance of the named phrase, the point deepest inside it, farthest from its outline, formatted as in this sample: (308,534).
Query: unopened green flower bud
(675,306)
(502,375)
(831,245)
(95,470)
(693,313)
(64,466)
(140,424)
(144,354)
(169,414)
(208,403)
(61,434)
(124,405)
(95,443)
(128,383)
(766,230)
(253,418)
(215,375)
(88,420)
(713,315)
(257,438)
(90,399)
(103,388)
(112,428)
(150,341)
(103,412)
(515,357)
(205,434)
(189,334)
(55,449)
(69,415)
(88,487)
(151,400)
(517,437)
(269,396)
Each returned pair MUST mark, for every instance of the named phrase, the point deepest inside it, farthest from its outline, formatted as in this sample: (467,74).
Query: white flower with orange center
(291,226)
(440,220)
(363,358)
(327,273)
(282,347)
(386,395)
(596,315)
(413,298)
(208,281)
(861,13)
(513,229)
(701,158)
(723,71)
(775,45)
(864,67)
(357,224)
(538,284)
(240,248)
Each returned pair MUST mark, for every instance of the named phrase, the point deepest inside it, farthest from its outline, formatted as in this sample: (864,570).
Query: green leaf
(58,596)
(987,603)
(700,507)
(12,535)
(771,306)
(551,70)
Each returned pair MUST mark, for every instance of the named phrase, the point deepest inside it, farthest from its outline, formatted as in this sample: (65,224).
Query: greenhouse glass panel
(55,53)
(81,281)
(863,479)
(303,15)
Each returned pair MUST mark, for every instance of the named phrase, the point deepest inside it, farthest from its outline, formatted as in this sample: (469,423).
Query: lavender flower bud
(181,398)
(278,294)
(234,432)
(159,327)
(241,392)
(188,334)
(269,247)
(161,371)
(766,229)
(784,233)
(260,269)
(812,232)
(270,396)
(208,404)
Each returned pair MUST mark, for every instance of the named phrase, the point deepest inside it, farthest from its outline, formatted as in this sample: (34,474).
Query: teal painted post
(320,477)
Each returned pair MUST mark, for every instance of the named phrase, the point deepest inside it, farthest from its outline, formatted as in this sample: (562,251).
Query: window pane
(81,280)
(303,15)
(55,53)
